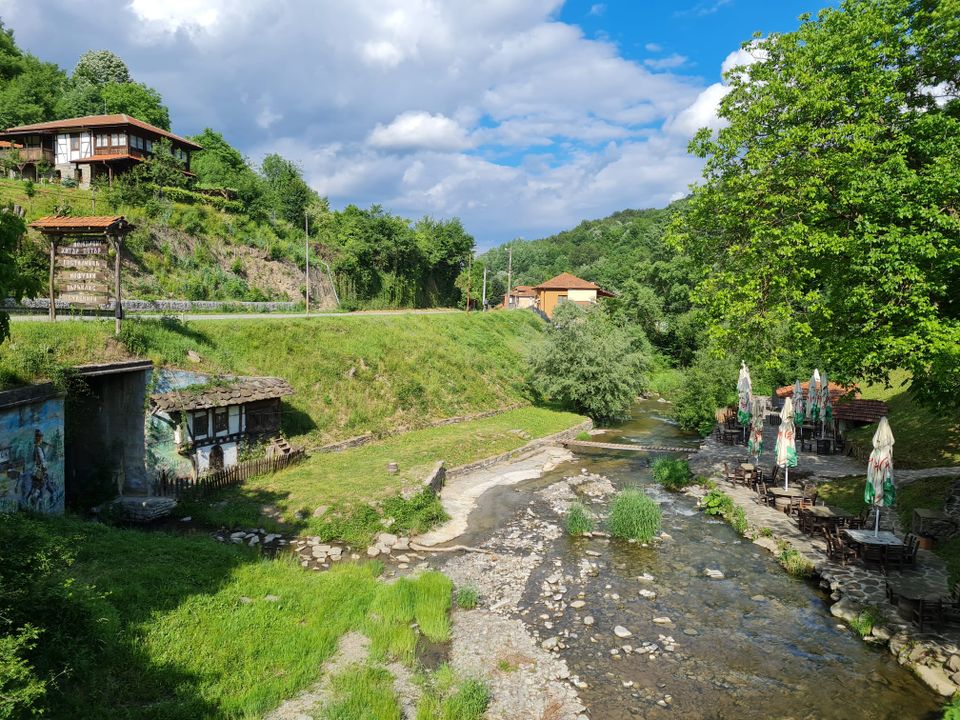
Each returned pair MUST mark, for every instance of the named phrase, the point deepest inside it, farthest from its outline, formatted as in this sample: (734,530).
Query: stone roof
(101,121)
(233,391)
(865,411)
(83,224)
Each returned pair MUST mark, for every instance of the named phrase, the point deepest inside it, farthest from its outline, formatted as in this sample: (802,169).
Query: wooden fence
(228,477)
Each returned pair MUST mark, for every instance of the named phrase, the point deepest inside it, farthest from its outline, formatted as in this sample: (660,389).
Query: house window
(99,141)
(561,299)
(75,142)
(200,424)
(149,146)
(221,421)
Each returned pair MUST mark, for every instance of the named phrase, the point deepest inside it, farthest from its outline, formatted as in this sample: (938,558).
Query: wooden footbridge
(631,447)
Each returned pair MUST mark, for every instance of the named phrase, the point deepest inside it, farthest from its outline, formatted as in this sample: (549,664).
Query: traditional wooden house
(521,297)
(86,147)
(566,287)
(211,421)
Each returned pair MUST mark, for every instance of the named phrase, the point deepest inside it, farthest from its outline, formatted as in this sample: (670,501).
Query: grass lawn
(930,493)
(351,374)
(153,625)
(924,437)
(360,474)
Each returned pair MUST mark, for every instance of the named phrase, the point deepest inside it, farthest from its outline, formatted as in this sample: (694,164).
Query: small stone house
(521,297)
(211,421)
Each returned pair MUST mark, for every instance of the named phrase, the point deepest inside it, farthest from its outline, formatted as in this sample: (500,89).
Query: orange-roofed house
(567,288)
(521,297)
(87,147)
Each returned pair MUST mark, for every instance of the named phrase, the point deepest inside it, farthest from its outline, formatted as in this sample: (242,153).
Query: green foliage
(672,473)
(793,561)
(362,692)
(136,100)
(29,88)
(400,609)
(467,597)
(824,216)
(710,383)
(444,698)
(579,519)
(182,195)
(951,711)
(866,619)
(634,516)
(738,520)
(288,192)
(101,67)
(717,502)
(16,278)
(220,165)
(21,690)
(587,364)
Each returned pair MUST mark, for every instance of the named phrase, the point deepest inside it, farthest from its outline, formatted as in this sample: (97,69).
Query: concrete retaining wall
(164,306)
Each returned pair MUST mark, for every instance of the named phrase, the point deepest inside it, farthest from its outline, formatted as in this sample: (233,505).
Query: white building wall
(582,295)
(234,419)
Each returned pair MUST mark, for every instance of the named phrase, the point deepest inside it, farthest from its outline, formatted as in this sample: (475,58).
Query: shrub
(672,474)
(579,519)
(717,502)
(634,516)
(793,561)
(587,364)
(467,597)
(951,711)
(739,520)
(583,435)
(708,384)
(864,622)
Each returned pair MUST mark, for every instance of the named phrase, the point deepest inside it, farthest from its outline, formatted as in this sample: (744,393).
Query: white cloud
(741,57)
(419,130)
(597,9)
(671,61)
(496,111)
(653,47)
(702,113)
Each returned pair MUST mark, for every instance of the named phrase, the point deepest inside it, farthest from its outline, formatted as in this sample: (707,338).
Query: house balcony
(30,155)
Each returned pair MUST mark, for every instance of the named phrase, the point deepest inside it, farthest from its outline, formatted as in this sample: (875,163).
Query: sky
(521,117)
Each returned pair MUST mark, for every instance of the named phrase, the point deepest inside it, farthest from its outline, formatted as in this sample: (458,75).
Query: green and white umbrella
(798,403)
(745,394)
(825,405)
(786,448)
(880,490)
(813,397)
(755,443)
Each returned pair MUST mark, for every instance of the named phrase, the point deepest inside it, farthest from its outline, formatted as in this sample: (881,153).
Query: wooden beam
(53,261)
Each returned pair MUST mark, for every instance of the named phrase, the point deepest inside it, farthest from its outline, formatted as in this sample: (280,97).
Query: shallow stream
(755,644)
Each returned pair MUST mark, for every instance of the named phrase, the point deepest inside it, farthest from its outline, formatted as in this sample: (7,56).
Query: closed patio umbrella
(786,448)
(826,406)
(798,403)
(745,394)
(880,491)
(755,444)
(813,397)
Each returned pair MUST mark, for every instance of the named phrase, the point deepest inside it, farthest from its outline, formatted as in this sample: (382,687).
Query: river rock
(648,594)
(588,620)
(550,643)
(387,539)
(621,632)
(403,543)
(713,573)
(373,551)
(936,678)
(663,620)
(577,604)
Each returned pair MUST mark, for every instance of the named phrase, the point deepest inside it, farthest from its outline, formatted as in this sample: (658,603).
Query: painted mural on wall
(31,457)
(162,455)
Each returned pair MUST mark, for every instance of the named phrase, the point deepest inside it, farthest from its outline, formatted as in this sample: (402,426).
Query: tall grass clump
(672,474)
(424,601)
(467,597)
(361,692)
(634,516)
(444,698)
(793,561)
(579,519)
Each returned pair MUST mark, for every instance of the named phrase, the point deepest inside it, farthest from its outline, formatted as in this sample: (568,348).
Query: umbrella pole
(786,477)
(876,525)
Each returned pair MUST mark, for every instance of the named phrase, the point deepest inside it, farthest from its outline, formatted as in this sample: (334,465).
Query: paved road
(64,317)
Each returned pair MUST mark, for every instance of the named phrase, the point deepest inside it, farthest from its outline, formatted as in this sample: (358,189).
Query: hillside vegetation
(350,374)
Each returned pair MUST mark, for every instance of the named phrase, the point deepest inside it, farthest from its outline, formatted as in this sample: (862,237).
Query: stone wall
(165,306)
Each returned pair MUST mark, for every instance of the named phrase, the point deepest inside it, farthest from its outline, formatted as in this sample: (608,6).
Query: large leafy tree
(16,278)
(136,100)
(288,192)
(588,364)
(101,67)
(829,217)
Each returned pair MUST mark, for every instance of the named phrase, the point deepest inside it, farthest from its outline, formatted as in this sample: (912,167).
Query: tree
(828,216)
(136,100)
(15,280)
(100,68)
(289,193)
(587,364)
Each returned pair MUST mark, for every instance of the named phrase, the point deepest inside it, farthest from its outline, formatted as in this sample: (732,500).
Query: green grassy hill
(183,251)
(351,374)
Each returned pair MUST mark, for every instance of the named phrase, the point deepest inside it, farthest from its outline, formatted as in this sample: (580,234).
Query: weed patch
(579,519)
(467,597)
(634,516)
(672,474)
(362,692)
(793,561)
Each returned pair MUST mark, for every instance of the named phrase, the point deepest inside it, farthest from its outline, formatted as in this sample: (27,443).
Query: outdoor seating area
(872,558)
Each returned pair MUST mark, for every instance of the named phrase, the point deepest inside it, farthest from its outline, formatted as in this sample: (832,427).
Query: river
(755,644)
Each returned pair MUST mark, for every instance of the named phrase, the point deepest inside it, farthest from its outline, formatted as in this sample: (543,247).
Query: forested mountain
(625,252)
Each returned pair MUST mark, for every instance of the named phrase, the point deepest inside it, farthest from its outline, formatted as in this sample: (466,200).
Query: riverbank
(858,594)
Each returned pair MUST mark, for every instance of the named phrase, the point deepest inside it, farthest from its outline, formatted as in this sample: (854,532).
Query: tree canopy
(828,218)
(14,281)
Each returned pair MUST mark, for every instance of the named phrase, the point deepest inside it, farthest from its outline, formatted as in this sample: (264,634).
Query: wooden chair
(893,555)
(928,612)
(809,498)
(763,495)
(910,544)
(805,438)
(873,554)
(860,521)
(837,549)
(795,505)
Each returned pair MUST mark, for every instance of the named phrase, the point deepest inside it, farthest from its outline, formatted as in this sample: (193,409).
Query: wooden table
(786,492)
(824,516)
(866,537)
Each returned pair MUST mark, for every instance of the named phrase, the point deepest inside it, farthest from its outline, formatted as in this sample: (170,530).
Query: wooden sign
(82,273)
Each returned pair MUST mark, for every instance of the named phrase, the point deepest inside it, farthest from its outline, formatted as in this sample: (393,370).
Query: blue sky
(522,117)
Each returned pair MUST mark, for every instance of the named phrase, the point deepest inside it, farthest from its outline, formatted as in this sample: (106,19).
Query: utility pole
(509,274)
(306,253)
(469,279)
(483,302)
(93,198)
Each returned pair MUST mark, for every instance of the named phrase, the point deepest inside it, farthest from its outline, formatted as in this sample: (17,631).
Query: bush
(467,597)
(708,384)
(579,520)
(793,562)
(634,516)
(672,474)
(587,364)
(717,502)
(951,711)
